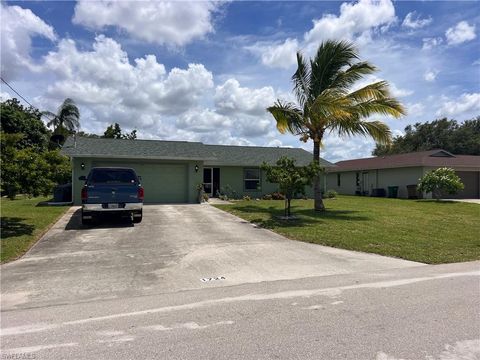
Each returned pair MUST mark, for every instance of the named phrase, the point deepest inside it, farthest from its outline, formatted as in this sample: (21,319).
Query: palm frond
(385,106)
(301,80)
(352,126)
(69,114)
(345,79)
(52,118)
(288,117)
(375,91)
(329,105)
(332,56)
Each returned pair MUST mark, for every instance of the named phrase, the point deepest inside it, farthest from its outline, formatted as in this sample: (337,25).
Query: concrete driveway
(176,247)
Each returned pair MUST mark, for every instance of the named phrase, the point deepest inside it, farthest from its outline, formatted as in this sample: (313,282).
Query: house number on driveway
(213,278)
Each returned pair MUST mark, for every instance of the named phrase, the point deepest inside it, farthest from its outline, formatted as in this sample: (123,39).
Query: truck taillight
(141,193)
(84,193)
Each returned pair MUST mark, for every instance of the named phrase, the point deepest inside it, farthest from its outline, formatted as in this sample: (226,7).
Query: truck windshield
(113,176)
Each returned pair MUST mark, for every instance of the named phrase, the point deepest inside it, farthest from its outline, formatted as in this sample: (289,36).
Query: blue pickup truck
(112,190)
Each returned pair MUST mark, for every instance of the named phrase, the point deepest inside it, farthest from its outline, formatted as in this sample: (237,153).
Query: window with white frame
(251,179)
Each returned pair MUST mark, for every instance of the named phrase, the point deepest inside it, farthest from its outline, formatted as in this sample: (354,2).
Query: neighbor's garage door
(471,180)
(163,183)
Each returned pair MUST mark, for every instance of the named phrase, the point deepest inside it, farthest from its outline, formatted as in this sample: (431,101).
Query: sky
(206,71)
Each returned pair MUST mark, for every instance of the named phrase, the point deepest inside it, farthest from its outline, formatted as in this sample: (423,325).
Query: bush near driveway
(422,230)
(23,222)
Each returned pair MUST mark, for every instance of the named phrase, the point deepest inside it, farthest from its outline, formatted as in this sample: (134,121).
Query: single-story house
(369,175)
(172,170)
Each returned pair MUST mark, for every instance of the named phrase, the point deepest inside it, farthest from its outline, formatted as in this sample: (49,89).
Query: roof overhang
(139,157)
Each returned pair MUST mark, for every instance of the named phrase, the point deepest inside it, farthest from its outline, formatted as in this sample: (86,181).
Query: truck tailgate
(114,193)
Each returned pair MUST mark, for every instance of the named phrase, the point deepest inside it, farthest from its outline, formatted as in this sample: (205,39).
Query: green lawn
(425,231)
(23,223)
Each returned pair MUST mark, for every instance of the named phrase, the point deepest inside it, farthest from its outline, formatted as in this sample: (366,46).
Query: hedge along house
(368,176)
(172,170)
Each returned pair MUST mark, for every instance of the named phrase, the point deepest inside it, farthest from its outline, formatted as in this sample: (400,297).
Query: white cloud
(460,33)
(430,43)
(138,94)
(18,26)
(354,19)
(274,143)
(169,23)
(335,149)
(394,89)
(231,98)
(276,55)
(414,21)
(106,76)
(203,120)
(430,75)
(142,94)
(356,22)
(398,92)
(415,109)
(467,102)
(4,96)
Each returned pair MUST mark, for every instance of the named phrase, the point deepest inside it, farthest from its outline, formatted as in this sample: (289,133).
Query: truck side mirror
(82,178)
(139,178)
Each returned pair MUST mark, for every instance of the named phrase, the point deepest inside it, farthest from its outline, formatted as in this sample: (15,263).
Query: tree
(67,118)
(30,172)
(325,102)
(460,139)
(88,135)
(291,179)
(114,131)
(27,167)
(440,181)
(17,119)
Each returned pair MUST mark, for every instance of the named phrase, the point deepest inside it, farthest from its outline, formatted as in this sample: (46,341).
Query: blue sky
(206,71)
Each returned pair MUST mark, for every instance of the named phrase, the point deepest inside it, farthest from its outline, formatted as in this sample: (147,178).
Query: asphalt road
(122,292)
(413,313)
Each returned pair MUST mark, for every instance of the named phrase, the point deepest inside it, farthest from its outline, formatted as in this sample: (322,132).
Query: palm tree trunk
(317,190)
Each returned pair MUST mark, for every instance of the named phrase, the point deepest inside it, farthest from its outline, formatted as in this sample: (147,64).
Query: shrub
(246,198)
(205,197)
(278,196)
(228,192)
(267,197)
(330,194)
(441,180)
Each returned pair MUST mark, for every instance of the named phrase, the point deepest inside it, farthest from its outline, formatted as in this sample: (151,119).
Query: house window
(338,179)
(251,179)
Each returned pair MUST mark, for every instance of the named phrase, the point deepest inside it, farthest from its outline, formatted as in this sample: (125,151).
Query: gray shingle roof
(225,155)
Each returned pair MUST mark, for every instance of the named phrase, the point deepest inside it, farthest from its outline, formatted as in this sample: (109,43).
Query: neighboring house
(363,176)
(172,170)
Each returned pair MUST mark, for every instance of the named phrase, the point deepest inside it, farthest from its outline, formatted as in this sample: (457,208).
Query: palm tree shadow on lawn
(15,226)
(302,217)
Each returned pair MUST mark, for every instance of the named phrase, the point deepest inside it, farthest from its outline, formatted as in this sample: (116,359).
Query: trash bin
(379,192)
(412,191)
(62,193)
(392,191)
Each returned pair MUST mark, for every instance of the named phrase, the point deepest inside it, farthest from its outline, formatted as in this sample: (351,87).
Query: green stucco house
(172,170)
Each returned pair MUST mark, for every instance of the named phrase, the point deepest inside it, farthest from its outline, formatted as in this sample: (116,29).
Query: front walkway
(471,201)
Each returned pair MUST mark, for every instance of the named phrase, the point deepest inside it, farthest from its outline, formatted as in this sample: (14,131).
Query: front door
(211,181)
(365,183)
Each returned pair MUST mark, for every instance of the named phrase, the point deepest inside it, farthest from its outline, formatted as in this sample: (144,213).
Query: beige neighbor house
(373,176)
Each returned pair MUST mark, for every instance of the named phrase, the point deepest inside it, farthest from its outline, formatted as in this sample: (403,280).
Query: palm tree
(67,117)
(327,104)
